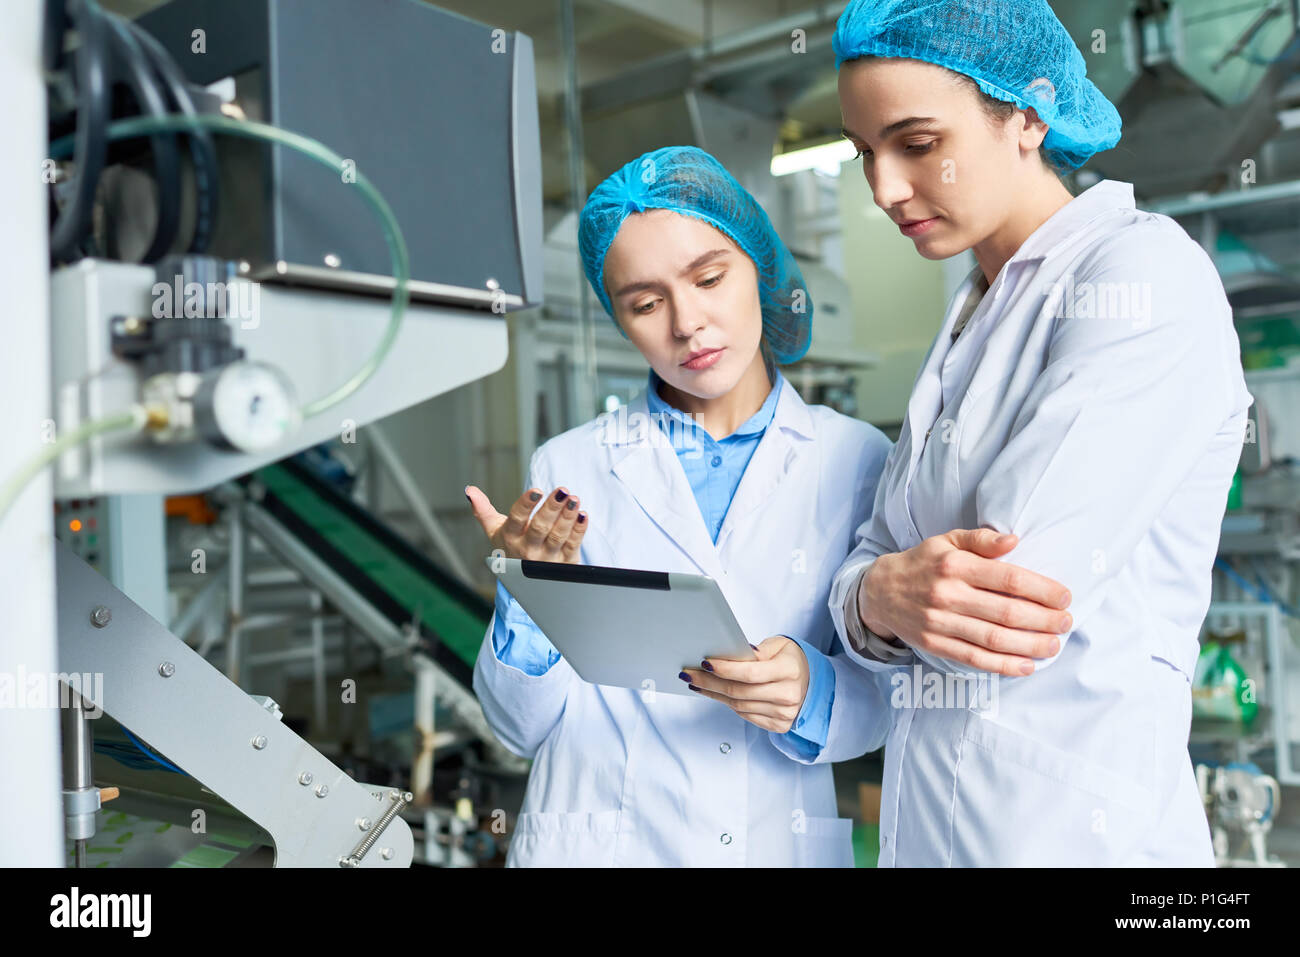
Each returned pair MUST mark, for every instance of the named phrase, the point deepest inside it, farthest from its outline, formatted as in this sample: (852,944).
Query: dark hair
(1001,111)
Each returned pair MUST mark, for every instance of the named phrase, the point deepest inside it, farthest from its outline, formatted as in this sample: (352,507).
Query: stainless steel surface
(317,339)
(203,723)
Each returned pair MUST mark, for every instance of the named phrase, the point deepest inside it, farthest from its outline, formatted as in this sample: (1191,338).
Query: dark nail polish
(560,495)
(693,688)
(468,499)
(534,496)
(581,519)
(705,665)
(684,676)
(754,646)
(572,504)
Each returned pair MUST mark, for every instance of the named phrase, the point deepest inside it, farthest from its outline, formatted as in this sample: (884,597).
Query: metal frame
(160,688)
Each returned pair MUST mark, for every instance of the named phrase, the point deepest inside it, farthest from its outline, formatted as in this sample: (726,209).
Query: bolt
(245,267)
(101,616)
(363,823)
(332,260)
(166,669)
(305,778)
(132,325)
(259,742)
(322,790)
(386,853)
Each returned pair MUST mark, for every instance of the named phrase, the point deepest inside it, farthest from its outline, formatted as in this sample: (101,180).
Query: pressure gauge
(246,406)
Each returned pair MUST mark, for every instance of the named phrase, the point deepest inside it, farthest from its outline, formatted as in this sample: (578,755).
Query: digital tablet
(624,627)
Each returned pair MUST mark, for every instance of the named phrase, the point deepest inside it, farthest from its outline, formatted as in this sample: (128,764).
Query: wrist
(869,603)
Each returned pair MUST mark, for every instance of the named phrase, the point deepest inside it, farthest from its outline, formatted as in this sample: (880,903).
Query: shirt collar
(757,422)
(1066,223)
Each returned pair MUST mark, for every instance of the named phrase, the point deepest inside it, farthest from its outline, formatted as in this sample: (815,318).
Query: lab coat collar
(757,422)
(644,461)
(1068,221)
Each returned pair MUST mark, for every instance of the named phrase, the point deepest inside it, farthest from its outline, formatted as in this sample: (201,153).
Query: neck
(1047,196)
(726,413)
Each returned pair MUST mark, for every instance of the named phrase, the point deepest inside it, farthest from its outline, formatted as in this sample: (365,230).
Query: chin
(936,249)
(710,384)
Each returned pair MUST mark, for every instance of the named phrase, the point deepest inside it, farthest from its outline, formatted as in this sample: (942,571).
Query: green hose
(146,125)
(134,419)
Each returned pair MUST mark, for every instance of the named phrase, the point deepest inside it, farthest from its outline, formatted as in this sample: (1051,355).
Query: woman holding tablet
(719,468)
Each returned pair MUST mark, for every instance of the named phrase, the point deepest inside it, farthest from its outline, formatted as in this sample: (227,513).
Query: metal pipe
(80,798)
(199,607)
(237,582)
(426,686)
(318,659)
(410,490)
(584,340)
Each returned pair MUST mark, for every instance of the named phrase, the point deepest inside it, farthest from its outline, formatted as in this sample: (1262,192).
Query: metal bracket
(164,691)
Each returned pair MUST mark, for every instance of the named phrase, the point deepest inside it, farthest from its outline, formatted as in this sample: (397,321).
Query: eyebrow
(695,263)
(892,128)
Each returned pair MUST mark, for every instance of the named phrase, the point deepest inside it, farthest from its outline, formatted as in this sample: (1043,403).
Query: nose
(689,317)
(890,186)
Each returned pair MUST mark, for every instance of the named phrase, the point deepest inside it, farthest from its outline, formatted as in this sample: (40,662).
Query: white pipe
(30,801)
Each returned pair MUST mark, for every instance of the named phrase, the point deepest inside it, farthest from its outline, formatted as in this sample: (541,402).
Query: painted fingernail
(468,499)
(693,688)
(561,495)
(1027,668)
(705,665)
(582,517)
(754,646)
(685,677)
(573,503)
(534,496)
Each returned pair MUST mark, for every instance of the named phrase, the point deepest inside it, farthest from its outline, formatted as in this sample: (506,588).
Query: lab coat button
(724,747)
(717,460)
(725,839)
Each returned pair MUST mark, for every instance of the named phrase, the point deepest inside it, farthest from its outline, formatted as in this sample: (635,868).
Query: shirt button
(725,839)
(724,747)
(717,460)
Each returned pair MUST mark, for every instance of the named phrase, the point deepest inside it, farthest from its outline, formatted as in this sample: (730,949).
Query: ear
(1034,131)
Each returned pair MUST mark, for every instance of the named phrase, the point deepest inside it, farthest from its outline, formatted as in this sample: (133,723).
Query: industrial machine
(268,223)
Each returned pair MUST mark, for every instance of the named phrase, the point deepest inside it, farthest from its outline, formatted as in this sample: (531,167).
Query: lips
(702,359)
(915,227)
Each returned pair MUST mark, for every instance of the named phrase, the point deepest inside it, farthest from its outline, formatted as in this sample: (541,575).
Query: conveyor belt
(384,568)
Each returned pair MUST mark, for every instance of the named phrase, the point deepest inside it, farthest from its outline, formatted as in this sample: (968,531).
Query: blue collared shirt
(714,468)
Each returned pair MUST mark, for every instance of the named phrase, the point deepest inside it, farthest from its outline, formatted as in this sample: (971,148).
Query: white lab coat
(1108,445)
(622,777)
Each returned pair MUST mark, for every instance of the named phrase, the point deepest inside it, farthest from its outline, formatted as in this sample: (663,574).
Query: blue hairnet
(1016,50)
(689,181)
